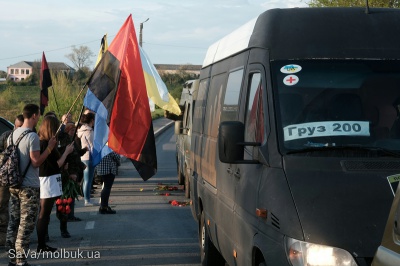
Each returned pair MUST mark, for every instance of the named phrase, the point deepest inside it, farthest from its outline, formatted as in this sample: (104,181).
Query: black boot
(106,210)
(63,229)
(46,249)
(65,234)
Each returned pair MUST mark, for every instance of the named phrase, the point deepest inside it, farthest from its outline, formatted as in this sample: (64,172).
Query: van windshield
(332,103)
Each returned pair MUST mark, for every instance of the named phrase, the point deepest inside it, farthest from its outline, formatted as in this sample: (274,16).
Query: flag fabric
(117,94)
(103,48)
(156,88)
(104,128)
(45,83)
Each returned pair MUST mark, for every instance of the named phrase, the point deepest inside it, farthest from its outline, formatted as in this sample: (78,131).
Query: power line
(67,47)
(48,51)
(172,45)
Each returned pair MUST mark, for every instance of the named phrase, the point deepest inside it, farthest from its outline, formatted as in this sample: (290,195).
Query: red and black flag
(45,83)
(117,93)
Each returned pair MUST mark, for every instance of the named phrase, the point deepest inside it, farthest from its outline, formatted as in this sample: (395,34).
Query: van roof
(306,33)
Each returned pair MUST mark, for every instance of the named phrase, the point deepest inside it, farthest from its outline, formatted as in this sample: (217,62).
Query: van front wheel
(209,254)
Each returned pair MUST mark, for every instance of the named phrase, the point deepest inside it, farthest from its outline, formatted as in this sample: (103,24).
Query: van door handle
(237,174)
(229,170)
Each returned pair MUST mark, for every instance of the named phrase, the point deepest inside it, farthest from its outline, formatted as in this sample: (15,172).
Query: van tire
(208,253)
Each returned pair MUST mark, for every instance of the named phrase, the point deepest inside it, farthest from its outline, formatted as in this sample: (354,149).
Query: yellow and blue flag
(156,89)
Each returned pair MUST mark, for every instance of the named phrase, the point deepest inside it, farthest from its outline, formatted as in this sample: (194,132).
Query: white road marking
(89,225)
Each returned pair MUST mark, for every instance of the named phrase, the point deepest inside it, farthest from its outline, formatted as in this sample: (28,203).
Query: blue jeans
(88,175)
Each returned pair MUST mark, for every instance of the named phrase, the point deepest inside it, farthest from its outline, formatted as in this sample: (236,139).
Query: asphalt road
(147,229)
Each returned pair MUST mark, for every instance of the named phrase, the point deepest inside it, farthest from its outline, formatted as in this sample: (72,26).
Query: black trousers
(108,181)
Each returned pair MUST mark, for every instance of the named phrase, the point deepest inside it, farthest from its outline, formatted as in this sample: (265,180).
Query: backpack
(10,173)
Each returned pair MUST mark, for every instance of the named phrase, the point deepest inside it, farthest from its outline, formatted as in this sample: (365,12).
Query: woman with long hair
(86,134)
(50,179)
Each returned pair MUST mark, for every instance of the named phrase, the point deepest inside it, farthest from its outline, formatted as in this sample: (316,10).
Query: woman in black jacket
(50,178)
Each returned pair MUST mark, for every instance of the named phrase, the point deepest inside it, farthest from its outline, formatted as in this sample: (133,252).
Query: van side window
(188,117)
(213,107)
(200,106)
(231,101)
(254,124)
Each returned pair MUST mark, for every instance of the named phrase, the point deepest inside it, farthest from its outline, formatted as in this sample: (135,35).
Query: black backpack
(10,173)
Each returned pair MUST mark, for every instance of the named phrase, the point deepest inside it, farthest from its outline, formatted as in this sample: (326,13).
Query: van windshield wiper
(346,147)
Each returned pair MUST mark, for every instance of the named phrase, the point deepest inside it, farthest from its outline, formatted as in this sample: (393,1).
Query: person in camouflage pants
(24,201)
(24,207)
(4,192)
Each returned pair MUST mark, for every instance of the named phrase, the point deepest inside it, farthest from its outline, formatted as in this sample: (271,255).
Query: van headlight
(307,254)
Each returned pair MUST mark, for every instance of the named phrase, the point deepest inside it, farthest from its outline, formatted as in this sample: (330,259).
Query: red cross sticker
(290,80)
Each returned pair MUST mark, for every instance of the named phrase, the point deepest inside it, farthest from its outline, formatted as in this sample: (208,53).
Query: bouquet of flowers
(63,208)
(70,192)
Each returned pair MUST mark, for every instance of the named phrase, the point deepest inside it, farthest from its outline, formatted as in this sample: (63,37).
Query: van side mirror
(231,143)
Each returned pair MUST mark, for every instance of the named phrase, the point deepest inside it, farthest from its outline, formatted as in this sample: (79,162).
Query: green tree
(81,76)
(80,57)
(354,3)
(175,81)
(33,79)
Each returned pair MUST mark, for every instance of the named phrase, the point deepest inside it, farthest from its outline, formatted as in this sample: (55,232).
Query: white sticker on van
(291,80)
(393,182)
(326,128)
(290,69)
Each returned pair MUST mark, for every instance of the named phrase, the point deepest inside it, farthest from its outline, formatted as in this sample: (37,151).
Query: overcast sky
(177,32)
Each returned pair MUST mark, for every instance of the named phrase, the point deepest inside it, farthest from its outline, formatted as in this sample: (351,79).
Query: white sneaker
(89,204)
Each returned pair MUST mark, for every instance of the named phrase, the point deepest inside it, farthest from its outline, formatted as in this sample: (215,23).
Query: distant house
(173,69)
(24,69)
(19,71)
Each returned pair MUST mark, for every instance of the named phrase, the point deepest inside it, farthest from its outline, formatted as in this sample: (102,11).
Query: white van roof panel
(231,44)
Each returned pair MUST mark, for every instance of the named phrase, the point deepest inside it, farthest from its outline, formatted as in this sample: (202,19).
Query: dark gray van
(183,128)
(296,135)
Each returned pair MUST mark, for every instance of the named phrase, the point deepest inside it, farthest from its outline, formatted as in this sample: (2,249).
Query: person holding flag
(50,179)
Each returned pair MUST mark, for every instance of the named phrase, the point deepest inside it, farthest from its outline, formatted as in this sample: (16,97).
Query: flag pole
(69,111)
(76,128)
(55,99)
(83,107)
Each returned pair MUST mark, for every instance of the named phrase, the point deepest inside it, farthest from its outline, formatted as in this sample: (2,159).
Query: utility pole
(140,32)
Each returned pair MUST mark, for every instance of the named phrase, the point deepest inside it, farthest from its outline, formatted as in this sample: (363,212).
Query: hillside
(63,93)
